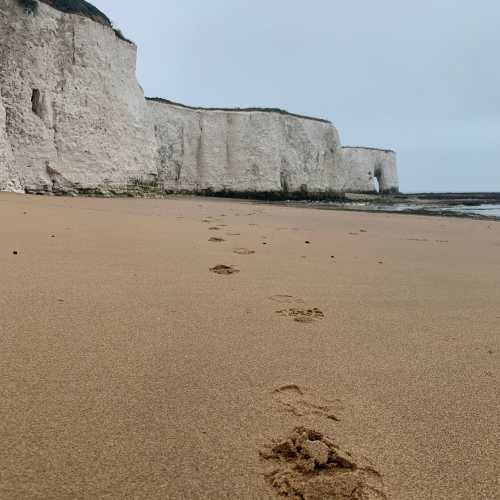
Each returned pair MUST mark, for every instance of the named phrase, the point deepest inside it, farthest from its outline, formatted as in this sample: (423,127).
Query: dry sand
(129,369)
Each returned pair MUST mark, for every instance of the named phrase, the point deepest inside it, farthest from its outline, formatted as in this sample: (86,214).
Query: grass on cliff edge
(80,7)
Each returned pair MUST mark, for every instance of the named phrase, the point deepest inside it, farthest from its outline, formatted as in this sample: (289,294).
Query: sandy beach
(132,366)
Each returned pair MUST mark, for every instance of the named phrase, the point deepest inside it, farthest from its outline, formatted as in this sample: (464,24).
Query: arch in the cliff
(377,177)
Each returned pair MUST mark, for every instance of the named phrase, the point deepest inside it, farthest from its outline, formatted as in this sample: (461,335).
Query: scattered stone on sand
(363,231)
(243,251)
(224,270)
(308,465)
(302,315)
(214,228)
(216,240)
(15,252)
(308,242)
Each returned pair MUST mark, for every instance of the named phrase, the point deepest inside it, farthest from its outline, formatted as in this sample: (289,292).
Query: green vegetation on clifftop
(79,7)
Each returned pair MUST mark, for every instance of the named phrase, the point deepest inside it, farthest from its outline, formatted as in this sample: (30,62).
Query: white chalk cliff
(73,119)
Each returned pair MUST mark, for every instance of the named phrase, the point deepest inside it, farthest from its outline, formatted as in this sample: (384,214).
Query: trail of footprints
(306,464)
(297,314)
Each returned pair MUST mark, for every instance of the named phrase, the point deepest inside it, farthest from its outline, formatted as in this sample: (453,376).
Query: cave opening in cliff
(377,177)
(35,102)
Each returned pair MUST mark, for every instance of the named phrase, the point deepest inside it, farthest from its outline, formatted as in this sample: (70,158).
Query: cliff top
(78,7)
(263,110)
(370,149)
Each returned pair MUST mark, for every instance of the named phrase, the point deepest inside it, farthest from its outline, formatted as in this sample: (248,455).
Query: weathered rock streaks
(74,119)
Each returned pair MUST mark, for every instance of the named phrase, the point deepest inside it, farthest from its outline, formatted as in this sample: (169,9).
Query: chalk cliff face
(74,119)
(368,167)
(7,176)
(75,113)
(256,151)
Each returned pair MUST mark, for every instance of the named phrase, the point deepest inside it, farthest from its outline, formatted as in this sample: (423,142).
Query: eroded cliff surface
(243,151)
(74,119)
(75,113)
(7,176)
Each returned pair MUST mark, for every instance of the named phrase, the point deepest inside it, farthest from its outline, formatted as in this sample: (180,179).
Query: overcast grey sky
(421,77)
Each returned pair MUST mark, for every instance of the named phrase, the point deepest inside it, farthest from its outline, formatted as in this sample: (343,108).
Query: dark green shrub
(121,36)
(80,7)
(30,6)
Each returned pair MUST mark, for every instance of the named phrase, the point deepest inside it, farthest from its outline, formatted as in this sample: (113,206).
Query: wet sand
(138,359)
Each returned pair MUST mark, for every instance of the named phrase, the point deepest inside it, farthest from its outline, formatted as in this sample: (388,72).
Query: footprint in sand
(243,251)
(302,315)
(286,299)
(308,465)
(224,270)
(216,240)
(298,401)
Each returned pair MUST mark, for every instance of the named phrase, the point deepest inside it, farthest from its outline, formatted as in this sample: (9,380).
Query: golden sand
(129,369)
